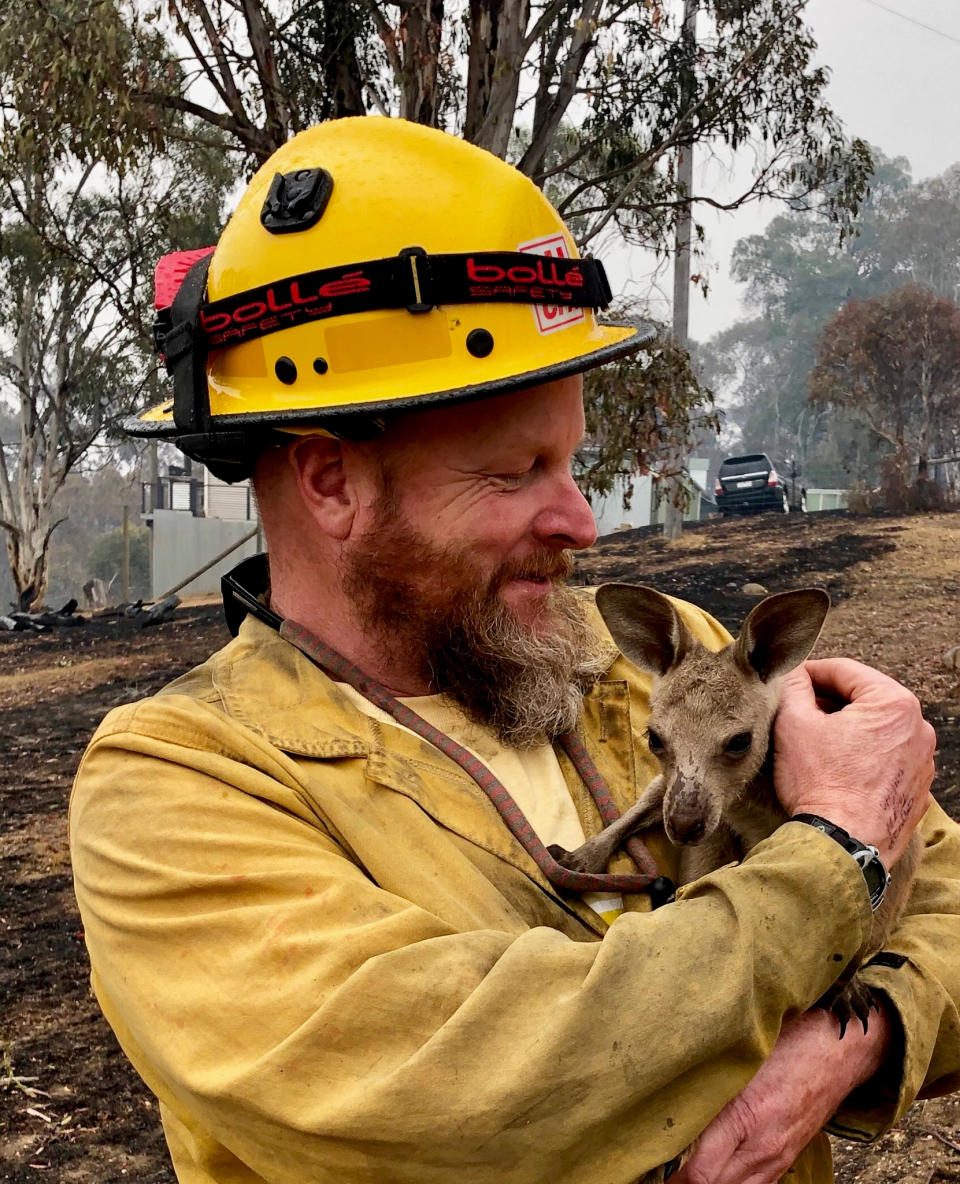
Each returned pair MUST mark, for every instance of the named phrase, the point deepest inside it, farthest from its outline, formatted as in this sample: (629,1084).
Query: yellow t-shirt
(533,777)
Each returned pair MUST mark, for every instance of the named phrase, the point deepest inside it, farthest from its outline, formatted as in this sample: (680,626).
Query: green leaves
(614,90)
(73,76)
(94,187)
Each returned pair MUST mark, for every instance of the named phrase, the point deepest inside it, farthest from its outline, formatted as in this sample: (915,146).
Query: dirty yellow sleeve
(919,974)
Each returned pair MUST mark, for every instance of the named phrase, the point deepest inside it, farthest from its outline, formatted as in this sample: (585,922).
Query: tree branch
(683,123)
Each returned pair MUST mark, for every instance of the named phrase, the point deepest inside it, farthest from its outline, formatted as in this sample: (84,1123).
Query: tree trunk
(569,45)
(494,57)
(673,519)
(344,81)
(28,552)
(421,30)
(281,119)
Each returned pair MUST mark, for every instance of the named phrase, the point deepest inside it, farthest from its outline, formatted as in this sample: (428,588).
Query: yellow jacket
(323,951)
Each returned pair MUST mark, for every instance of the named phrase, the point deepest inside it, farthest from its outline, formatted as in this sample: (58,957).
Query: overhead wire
(913,21)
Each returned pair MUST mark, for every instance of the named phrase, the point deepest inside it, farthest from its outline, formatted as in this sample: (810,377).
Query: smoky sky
(892,82)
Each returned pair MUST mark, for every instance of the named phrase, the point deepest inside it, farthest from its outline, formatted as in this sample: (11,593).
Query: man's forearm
(805,1079)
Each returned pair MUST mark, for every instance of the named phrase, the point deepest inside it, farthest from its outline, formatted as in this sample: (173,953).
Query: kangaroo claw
(856,1000)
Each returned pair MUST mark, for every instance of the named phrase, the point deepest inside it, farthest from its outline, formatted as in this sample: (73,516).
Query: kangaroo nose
(687,828)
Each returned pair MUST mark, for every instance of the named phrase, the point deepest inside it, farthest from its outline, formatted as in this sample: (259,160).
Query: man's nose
(566,520)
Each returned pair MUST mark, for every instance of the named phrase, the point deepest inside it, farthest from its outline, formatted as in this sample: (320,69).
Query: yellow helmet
(371,265)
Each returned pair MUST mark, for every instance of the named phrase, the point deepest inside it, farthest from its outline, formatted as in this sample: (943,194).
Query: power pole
(126,554)
(154,503)
(673,515)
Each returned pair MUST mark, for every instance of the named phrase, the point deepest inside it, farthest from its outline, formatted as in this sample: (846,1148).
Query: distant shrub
(897,493)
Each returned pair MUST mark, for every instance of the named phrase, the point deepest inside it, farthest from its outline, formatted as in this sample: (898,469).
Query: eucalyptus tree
(893,362)
(78,239)
(612,83)
(795,276)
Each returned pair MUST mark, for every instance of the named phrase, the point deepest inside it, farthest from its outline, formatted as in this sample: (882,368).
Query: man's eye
(654,741)
(739,744)
(511,480)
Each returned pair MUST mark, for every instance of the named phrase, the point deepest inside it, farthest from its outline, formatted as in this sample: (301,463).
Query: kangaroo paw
(595,853)
(666,1171)
(588,858)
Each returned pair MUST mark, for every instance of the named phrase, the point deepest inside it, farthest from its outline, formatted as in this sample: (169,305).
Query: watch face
(874,873)
(876,879)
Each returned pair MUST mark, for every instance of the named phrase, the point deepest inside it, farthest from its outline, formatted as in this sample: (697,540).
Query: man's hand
(867,767)
(759,1135)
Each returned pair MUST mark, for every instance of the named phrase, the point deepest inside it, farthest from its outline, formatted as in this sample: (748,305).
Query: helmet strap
(413,280)
(185,351)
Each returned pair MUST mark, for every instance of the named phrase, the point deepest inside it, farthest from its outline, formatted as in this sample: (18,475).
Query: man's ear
(324,485)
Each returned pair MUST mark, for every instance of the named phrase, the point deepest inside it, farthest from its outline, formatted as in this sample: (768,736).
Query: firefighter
(315,873)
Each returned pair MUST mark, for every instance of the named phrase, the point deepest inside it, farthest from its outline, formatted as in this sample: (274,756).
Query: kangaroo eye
(654,741)
(740,743)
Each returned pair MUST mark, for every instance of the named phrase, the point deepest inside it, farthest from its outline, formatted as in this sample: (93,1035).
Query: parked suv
(748,484)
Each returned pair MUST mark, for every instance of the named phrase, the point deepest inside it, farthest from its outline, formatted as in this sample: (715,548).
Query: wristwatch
(867,857)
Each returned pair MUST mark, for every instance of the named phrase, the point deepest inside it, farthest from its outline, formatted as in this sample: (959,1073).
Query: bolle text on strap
(413,280)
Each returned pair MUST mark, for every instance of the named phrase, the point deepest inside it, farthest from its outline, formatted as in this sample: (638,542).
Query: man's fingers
(712,1156)
(722,1158)
(797,692)
(846,679)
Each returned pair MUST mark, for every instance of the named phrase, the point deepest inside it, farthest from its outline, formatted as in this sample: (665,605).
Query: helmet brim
(622,339)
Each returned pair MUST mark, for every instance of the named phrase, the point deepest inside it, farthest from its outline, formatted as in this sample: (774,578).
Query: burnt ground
(72,1111)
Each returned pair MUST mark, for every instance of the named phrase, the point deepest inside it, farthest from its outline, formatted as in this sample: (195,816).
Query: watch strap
(866,856)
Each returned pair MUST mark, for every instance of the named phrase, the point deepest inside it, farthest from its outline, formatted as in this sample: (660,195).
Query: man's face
(492,479)
(460,563)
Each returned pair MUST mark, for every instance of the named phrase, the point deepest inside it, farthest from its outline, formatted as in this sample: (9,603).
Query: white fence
(826,499)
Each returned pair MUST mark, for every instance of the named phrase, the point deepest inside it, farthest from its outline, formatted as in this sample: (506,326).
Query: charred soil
(71,1109)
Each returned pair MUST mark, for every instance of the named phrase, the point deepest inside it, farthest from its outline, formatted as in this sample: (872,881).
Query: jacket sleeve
(323,1029)
(919,975)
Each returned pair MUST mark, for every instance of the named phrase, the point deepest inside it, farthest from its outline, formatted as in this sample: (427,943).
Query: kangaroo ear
(781,631)
(645,626)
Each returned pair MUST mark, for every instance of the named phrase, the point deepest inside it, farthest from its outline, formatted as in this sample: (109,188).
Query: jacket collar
(273,689)
(276,691)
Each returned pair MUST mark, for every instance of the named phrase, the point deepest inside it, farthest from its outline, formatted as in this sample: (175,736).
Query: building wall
(609,512)
(182,544)
(233,503)
(643,510)
(826,499)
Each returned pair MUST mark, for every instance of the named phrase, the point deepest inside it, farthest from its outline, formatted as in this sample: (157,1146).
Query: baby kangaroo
(710,722)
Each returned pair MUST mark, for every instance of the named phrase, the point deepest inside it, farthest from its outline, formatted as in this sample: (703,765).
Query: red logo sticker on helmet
(551,317)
